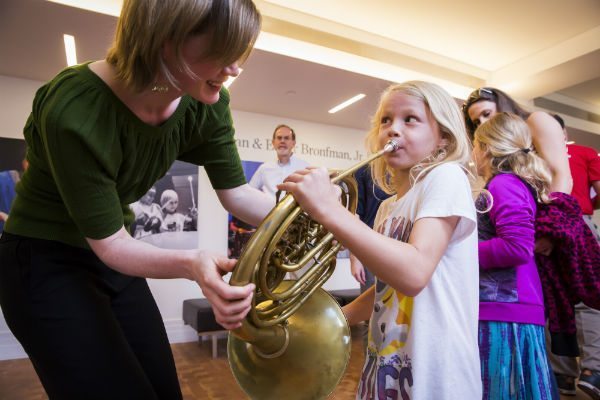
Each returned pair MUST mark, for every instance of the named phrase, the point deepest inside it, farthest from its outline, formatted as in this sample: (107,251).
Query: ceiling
(313,54)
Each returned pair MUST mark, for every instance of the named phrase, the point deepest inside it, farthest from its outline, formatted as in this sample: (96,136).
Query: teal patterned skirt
(514,364)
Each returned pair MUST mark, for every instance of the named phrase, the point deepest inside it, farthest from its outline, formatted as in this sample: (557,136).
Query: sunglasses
(478,94)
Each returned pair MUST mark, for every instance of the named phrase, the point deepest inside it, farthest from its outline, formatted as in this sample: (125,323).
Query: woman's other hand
(230,304)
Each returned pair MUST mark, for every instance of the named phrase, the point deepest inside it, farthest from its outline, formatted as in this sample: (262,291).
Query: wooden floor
(201,376)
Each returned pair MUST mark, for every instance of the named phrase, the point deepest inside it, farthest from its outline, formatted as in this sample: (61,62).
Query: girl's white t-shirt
(425,347)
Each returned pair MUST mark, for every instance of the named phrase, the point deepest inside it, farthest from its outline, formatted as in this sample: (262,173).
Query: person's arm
(406,267)
(360,309)
(513,217)
(132,257)
(357,269)
(593,171)
(3,216)
(246,203)
(549,142)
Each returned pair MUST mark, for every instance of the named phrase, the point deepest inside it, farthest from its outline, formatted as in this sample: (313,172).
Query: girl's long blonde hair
(506,142)
(446,112)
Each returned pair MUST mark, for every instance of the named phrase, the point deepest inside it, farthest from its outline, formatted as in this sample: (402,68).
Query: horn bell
(313,362)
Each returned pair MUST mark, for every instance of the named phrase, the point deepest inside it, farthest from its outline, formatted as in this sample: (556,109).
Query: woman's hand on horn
(313,190)
(230,304)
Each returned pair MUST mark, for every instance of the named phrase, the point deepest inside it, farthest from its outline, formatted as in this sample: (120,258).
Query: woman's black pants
(90,332)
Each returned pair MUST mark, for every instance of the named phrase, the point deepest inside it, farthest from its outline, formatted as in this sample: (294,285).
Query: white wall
(253,132)
(16,96)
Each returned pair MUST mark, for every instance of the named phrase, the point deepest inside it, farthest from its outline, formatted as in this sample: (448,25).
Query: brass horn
(295,341)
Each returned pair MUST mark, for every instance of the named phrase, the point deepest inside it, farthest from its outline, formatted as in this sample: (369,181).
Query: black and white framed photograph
(167,215)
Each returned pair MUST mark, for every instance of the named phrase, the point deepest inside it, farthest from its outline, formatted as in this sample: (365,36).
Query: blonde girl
(511,311)
(423,307)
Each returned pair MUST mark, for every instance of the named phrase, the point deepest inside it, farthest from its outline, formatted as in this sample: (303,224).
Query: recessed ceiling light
(571,142)
(70,49)
(346,103)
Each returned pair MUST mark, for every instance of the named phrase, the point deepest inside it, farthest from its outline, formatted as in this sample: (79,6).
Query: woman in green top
(72,285)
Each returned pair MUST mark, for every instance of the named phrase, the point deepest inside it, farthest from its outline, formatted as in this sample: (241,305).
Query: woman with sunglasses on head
(548,140)
(72,285)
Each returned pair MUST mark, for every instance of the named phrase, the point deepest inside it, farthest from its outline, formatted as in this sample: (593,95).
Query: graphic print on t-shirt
(393,310)
(388,369)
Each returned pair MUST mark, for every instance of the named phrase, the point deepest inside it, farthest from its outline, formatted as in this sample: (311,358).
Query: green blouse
(90,157)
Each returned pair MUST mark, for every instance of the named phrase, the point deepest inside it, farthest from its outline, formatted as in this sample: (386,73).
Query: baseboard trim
(10,348)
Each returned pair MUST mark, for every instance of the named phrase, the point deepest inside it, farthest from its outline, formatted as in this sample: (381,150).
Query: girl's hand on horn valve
(230,304)
(313,190)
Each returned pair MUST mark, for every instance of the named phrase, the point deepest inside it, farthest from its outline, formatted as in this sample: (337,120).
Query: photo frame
(167,215)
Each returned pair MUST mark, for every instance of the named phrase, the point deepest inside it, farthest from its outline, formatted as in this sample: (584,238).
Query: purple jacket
(509,284)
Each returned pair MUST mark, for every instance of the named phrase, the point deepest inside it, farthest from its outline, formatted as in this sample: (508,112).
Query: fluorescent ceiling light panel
(70,50)
(346,103)
(230,80)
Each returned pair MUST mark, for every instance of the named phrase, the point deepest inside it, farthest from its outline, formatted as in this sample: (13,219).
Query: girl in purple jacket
(511,309)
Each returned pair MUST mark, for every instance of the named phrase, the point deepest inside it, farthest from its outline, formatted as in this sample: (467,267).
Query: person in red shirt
(584,163)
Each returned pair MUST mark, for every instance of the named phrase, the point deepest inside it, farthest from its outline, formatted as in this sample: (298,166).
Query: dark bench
(199,315)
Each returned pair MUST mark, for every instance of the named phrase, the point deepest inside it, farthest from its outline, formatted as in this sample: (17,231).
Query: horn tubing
(268,335)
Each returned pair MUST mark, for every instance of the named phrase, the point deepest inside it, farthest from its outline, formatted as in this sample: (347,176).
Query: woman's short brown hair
(146,25)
